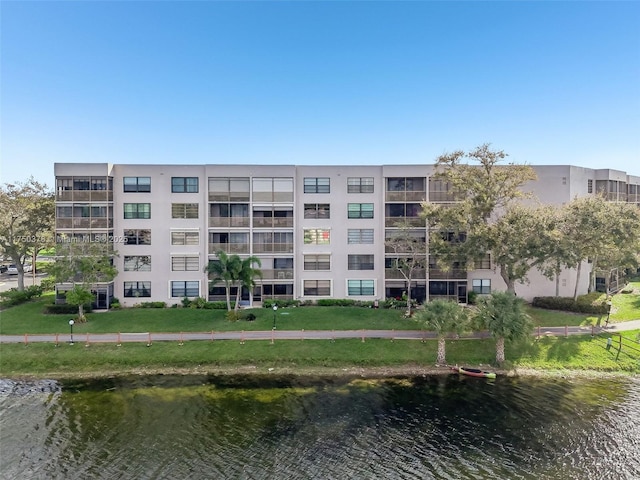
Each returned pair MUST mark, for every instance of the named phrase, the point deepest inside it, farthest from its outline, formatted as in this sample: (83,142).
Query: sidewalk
(272,335)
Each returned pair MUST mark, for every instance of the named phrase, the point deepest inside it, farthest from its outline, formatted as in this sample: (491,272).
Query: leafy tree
(464,230)
(233,271)
(246,277)
(79,296)
(522,238)
(603,232)
(83,263)
(443,317)
(411,255)
(504,316)
(27,213)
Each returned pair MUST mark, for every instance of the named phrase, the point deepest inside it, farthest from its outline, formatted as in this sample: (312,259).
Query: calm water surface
(440,427)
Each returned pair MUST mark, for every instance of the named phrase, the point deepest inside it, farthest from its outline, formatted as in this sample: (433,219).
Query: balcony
(277,274)
(272,248)
(273,222)
(394,274)
(404,196)
(237,248)
(453,274)
(410,221)
(228,222)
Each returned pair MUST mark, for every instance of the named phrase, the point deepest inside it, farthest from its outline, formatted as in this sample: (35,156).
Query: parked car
(3,268)
(13,270)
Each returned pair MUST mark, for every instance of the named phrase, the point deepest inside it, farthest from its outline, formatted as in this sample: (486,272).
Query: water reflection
(424,427)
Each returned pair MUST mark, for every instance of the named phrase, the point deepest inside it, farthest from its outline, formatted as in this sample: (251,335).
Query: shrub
(186,302)
(48,284)
(280,303)
(152,305)
(472,297)
(15,297)
(594,302)
(232,316)
(64,309)
(249,317)
(198,302)
(216,305)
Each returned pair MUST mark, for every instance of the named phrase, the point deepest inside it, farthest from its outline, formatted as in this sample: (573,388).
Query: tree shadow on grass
(560,350)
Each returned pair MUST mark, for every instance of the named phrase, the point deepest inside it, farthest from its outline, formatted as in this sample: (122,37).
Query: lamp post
(275,309)
(71,322)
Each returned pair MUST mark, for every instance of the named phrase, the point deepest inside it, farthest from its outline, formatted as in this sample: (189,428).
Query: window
(360,236)
(360,262)
(137,237)
(137,263)
(137,210)
(184,184)
(185,238)
(137,289)
(481,285)
(185,289)
(136,184)
(483,263)
(317,288)
(360,185)
(273,190)
(360,210)
(317,185)
(360,287)
(185,264)
(316,210)
(317,262)
(282,263)
(317,236)
(184,210)
(81,183)
(226,189)
(589,186)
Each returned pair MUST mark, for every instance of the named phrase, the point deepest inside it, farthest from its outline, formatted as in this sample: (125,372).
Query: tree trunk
(575,292)
(228,294)
(511,285)
(237,304)
(500,350)
(441,360)
(81,317)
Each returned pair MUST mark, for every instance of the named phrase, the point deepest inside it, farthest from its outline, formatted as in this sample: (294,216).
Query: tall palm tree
(246,276)
(504,316)
(226,269)
(443,317)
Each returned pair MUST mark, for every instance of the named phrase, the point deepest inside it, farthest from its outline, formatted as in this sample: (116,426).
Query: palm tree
(226,269)
(443,317)
(504,316)
(246,276)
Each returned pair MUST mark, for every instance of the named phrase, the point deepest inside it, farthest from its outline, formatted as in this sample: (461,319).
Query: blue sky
(317,82)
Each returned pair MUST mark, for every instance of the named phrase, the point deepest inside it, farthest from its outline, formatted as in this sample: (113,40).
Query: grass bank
(580,353)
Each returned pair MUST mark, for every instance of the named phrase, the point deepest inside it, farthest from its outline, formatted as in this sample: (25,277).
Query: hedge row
(65,309)
(595,303)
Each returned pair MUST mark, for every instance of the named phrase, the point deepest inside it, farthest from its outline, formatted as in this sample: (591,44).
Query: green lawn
(576,352)
(28,318)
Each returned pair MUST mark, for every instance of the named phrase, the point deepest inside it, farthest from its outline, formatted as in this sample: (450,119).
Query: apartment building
(319,231)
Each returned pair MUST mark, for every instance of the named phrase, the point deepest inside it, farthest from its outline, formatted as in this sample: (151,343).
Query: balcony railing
(228,248)
(273,222)
(453,274)
(404,196)
(278,274)
(227,222)
(394,274)
(273,248)
(410,221)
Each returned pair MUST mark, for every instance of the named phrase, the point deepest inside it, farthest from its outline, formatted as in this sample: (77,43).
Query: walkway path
(294,335)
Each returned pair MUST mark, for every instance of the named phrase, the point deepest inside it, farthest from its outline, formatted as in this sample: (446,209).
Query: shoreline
(306,373)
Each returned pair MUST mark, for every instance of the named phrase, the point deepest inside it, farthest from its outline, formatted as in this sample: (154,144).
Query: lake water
(433,427)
